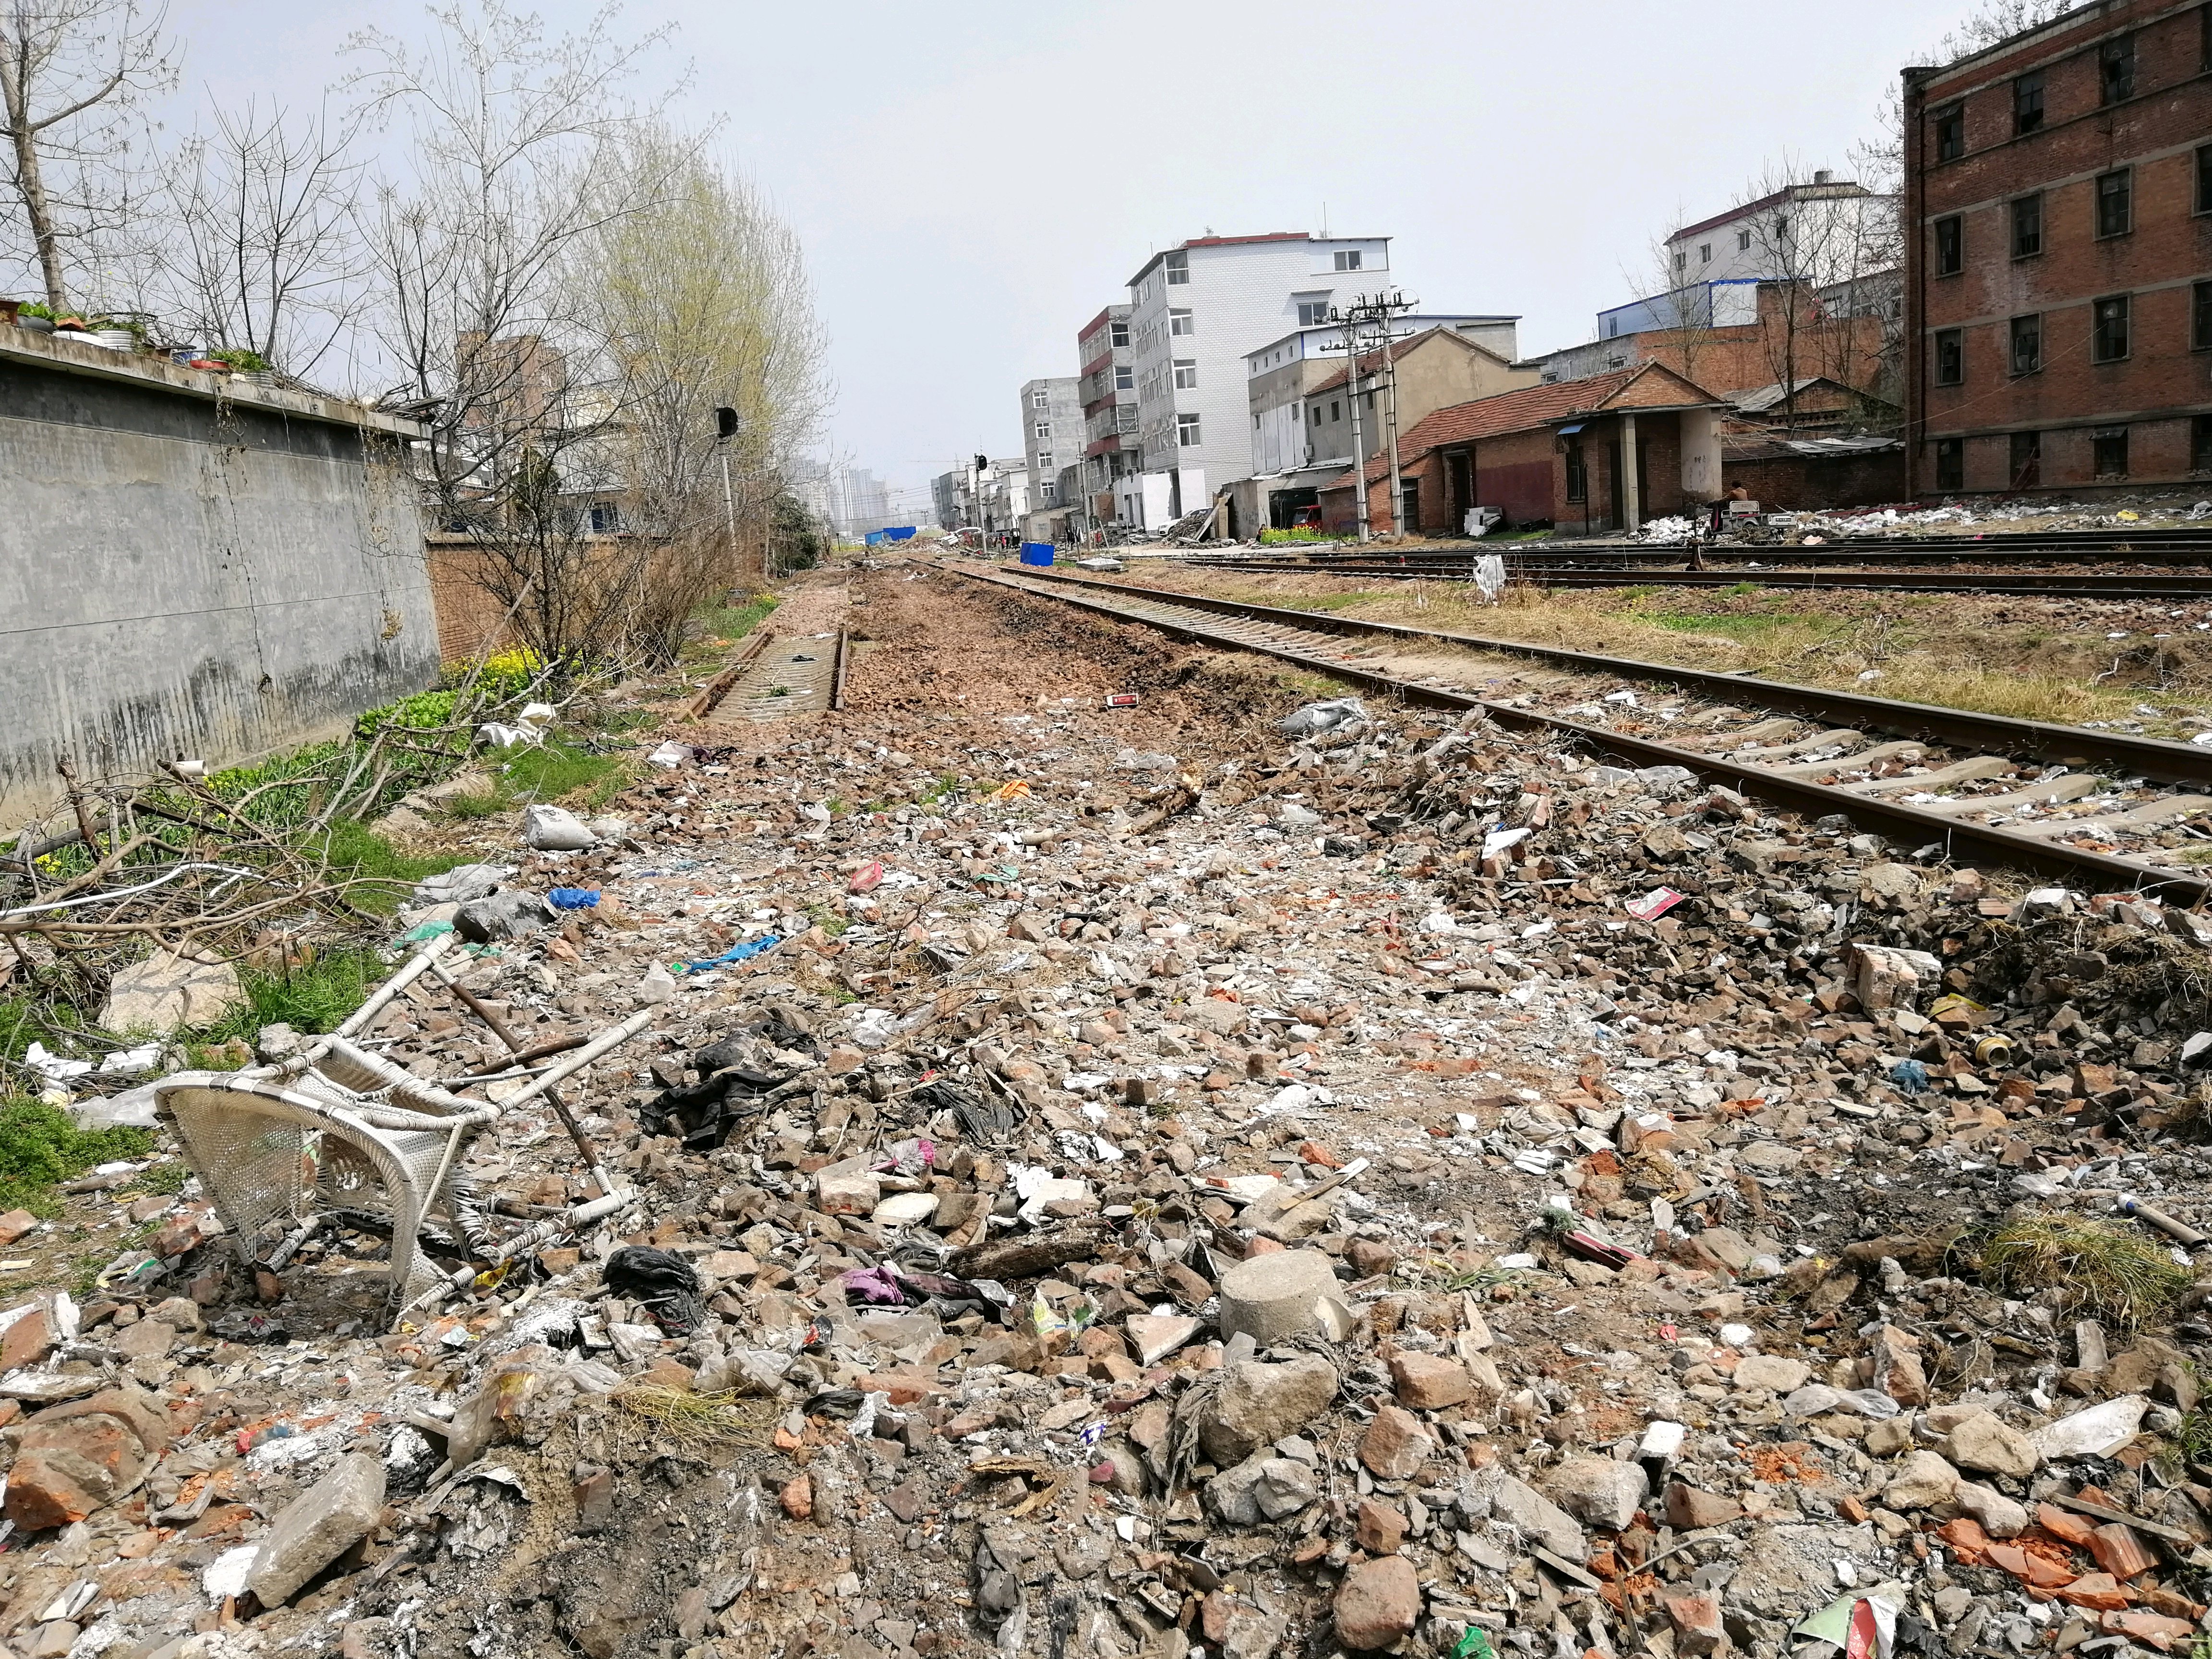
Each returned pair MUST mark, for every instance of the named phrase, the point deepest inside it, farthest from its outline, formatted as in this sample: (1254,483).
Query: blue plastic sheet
(744,952)
(573,898)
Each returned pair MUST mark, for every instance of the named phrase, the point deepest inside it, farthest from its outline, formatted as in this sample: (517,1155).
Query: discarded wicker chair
(341,1130)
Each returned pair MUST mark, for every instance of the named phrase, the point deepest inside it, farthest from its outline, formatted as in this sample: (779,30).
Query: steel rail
(1893,819)
(2042,741)
(1785,553)
(2013,584)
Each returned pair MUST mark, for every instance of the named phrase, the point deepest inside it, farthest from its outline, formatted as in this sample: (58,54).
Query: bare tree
(513,168)
(71,73)
(1816,244)
(1685,300)
(266,255)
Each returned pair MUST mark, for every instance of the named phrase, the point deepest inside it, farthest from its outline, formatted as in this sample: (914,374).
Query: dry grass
(2099,1267)
(1940,651)
(697,1423)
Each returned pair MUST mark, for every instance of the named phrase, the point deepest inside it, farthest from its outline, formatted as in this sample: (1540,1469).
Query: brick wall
(1799,483)
(2153,134)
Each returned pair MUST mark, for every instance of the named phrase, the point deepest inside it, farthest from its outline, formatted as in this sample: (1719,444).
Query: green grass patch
(357,851)
(550,771)
(313,997)
(39,1146)
(1272,538)
(730,624)
(1746,626)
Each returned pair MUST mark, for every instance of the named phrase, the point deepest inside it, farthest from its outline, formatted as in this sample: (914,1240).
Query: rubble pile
(1132,1181)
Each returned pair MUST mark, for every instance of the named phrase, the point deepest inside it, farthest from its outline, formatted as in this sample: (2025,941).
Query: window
(2204,168)
(1317,414)
(2200,318)
(1121,334)
(2027,103)
(2200,441)
(1950,463)
(2026,227)
(2026,460)
(1950,246)
(1181,322)
(1347,258)
(2115,202)
(1125,378)
(1951,132)
(1047,488)
(1186,431)
(1177,266)
(1681,260)
(1186,374)
(2108,337)
(1044,429)
(1312,313)
(1704,254)
(2116,69)
(1950,356)
(1038,399)
(1743,241)
(2027,344)
(1577,474)
(1334,409)
(2109,449)
(606,517)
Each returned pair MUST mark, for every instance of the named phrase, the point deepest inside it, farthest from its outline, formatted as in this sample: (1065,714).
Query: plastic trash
(742,952)
(656,986)
(509,915)
(664,1284)
(538,715)
(1141,760)
(671,755)
(867,878)
(1911,1076)
(554,830)
(1331,714)
(460,884)
(573,898)
(501,736)
(1490,576)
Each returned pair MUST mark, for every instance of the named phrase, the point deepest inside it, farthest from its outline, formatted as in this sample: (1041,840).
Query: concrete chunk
(317,1528)
(1282,1294)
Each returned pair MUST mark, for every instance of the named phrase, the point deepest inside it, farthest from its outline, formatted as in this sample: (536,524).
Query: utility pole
(726,430)
(1347,321)
(1381,311)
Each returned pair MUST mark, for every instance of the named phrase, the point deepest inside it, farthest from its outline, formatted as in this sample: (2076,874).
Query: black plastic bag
(663,1284)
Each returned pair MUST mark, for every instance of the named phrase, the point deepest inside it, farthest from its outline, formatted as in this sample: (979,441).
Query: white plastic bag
(1490,576)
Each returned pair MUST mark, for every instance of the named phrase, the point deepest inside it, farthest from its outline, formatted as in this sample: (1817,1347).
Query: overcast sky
(974,181)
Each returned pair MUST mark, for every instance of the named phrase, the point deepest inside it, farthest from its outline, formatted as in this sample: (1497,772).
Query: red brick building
(2058,257)
(1551,454)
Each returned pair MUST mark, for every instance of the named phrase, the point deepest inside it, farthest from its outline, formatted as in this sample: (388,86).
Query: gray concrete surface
(192,567)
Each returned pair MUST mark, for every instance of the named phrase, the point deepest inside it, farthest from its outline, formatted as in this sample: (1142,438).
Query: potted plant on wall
(32,317)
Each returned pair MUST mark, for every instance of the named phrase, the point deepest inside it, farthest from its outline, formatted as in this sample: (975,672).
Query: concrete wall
(185,576)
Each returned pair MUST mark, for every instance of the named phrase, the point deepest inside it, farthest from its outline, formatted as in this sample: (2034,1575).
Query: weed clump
(2095,1268)
(39,1146)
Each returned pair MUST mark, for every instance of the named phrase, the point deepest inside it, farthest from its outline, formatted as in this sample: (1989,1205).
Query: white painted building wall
(1238,295)
(1052,434)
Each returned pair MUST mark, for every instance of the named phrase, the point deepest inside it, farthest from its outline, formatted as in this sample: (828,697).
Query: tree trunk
(33,183)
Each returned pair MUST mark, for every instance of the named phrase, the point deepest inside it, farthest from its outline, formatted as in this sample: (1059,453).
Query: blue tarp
(1037,552)
(899,533)
(873,539)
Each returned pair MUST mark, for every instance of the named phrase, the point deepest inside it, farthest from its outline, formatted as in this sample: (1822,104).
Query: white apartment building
(1052,434)
(1820,232)
(1195,311)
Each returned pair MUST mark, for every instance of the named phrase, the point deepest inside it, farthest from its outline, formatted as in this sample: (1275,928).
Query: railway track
(2103,809)
(2147,587)
(1997,563)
